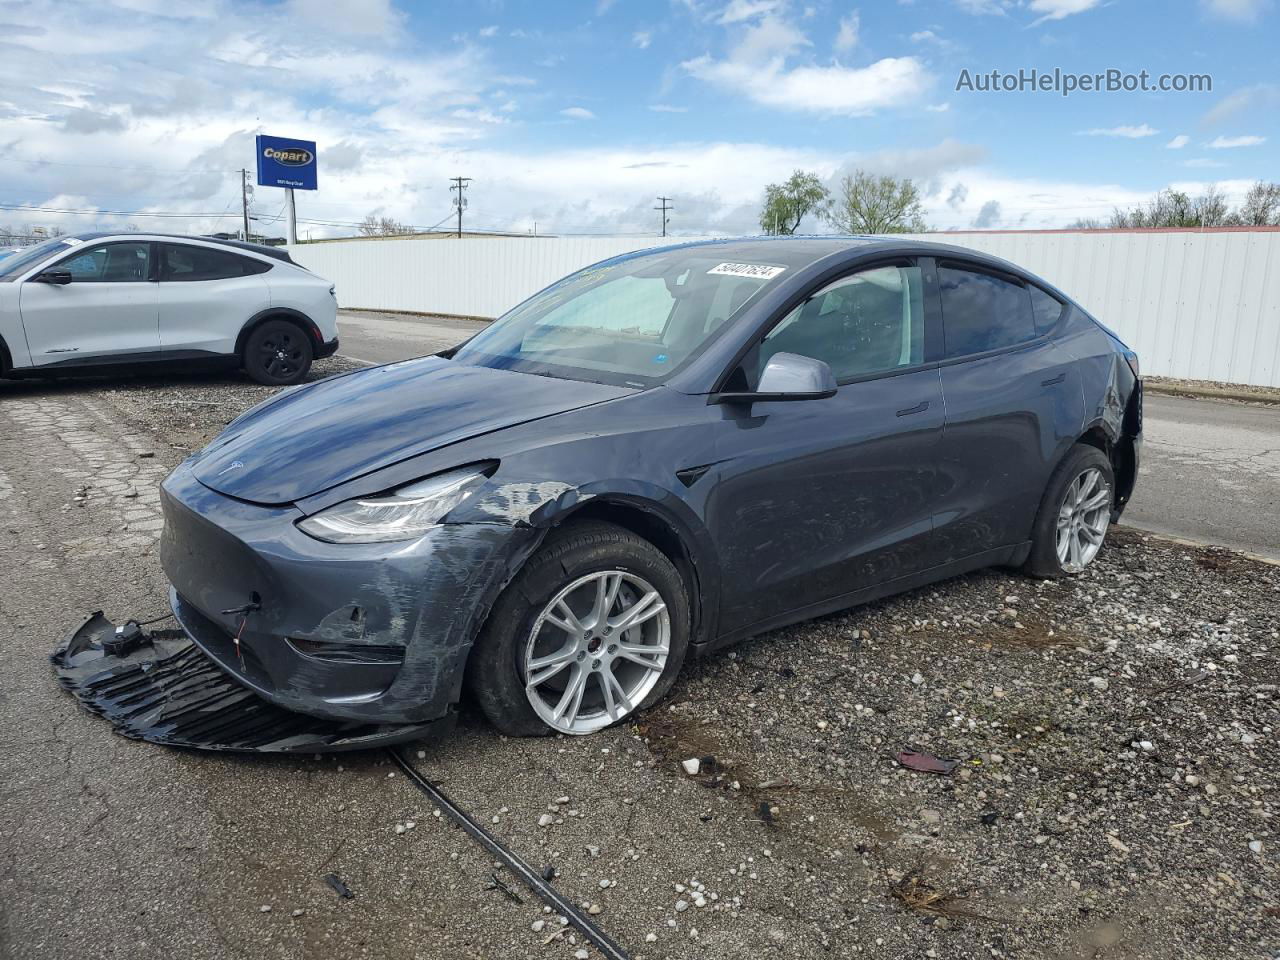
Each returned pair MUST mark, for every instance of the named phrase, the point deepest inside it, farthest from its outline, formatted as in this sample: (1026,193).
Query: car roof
(275,253)
(801,251)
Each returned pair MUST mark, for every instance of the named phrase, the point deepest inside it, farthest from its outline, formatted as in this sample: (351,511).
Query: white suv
(102,301)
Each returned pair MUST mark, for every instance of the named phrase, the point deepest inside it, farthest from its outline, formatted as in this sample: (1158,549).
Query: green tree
(866,203)
(786,204)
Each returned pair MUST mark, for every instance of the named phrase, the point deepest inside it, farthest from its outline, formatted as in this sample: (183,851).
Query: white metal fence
(1200,305)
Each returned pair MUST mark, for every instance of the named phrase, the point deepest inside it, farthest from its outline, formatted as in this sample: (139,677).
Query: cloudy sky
(574,116)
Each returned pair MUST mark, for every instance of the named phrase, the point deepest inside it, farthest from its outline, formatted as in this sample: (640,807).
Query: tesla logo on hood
(233,465)
(293,157)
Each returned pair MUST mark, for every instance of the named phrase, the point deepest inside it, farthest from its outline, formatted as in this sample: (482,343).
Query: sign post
(283,162)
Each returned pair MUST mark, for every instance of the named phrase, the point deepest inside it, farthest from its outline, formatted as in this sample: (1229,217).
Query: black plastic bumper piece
(162,688)
(327,349)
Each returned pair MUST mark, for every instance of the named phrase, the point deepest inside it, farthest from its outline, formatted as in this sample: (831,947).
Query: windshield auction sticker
(757,271)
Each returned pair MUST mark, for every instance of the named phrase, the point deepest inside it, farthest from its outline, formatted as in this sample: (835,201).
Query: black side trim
(988,558)
(327,349)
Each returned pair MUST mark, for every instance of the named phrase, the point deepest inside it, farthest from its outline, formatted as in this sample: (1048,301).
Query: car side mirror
(788,376)
(58,278)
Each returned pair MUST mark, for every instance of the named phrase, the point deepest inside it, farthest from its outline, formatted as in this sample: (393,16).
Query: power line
(664,208)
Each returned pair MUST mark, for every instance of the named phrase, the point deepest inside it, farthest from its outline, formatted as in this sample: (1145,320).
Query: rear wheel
(591,631)
(277,353)
(1074,516)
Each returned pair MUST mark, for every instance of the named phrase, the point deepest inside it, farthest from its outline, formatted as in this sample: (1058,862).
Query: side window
(982,312)
(869,322)
(1046,308)
(110,263)
(184,263)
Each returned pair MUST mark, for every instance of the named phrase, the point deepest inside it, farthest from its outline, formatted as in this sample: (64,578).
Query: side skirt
(1000,556)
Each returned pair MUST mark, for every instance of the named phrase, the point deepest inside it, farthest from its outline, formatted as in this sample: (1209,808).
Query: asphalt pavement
(1210,469)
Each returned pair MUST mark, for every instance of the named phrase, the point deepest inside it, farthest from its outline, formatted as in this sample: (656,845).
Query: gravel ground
(1115,795)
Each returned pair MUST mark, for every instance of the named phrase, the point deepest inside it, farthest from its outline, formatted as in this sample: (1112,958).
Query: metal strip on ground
(530,877)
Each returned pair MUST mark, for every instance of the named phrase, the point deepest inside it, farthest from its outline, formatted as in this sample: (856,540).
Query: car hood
(309,439)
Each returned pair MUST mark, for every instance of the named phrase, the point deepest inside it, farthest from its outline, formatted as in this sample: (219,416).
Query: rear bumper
(371,632)
(327,349)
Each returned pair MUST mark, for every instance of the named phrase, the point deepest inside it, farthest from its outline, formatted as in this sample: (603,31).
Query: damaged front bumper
(161,687)
(373,633)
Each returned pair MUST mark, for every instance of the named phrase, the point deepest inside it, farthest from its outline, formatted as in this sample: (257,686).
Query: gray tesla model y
(656,456)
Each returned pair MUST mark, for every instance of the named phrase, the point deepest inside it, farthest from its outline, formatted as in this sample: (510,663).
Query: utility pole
(664,208)
(460,201)
(244,200)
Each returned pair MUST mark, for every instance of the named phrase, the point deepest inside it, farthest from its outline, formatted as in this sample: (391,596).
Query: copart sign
(286,163)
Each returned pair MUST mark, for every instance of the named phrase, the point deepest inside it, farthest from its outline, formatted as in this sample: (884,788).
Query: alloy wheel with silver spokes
(596,650)
(1083,519)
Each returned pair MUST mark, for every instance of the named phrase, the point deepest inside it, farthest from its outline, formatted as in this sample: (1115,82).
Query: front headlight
(403,514)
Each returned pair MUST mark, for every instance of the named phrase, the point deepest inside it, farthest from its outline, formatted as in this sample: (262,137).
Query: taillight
(1131,358)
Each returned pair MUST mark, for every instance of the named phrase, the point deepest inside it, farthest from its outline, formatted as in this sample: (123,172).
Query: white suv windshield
(630,322)
(13,267)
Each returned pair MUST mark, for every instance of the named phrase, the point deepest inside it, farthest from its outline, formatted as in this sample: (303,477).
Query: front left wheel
(592,630)
(277,353)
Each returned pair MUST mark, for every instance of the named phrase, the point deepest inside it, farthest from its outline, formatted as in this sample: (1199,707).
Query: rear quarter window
(1046,310)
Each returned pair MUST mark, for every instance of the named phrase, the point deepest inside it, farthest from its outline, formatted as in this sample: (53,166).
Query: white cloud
(489,31)
(642,39)
(1230,143)
(1241,10)
(758,68)
(374,17)
(985,7)
(847,36)
(577,113)
(923,36)
(667,108)
(1130,132)
(937,107)
(1202,162)
(1178,142)
(739,11)
(479,115)
(1252,100)
(1061,9)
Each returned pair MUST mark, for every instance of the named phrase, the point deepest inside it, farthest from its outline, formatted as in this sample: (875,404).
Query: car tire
(1068,531)
(520,631)
(277,353)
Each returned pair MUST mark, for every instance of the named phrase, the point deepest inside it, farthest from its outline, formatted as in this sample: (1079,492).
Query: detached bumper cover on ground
(166,690)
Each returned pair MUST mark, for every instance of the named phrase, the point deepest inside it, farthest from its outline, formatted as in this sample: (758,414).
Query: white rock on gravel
(537,925)
(546,820)
(1255,846)
(682,906)
(691,766)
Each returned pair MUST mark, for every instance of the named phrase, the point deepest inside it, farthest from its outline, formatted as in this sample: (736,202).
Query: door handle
(1054,380)
(920,407)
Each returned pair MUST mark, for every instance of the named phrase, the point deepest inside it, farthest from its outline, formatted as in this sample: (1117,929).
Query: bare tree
(1261,207)
(877,204)
(786,204)
(374,226)
(1174,208)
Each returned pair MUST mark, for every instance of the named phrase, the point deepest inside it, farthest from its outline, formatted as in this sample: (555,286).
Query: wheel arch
(278,313)
(652,523)
(1117,447)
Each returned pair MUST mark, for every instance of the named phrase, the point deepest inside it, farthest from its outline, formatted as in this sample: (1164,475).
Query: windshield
(12,267)
(630,322)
